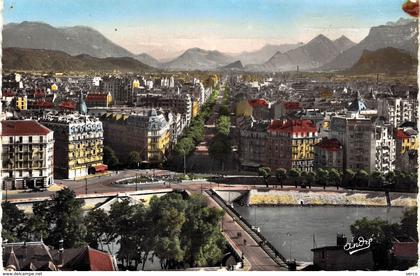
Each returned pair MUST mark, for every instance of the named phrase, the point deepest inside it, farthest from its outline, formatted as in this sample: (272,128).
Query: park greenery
(110,158)
(179,232)
(382,233)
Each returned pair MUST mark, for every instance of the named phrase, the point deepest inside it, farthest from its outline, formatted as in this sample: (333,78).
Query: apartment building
(147,132)
(290,144)
(27,155)
(78,145)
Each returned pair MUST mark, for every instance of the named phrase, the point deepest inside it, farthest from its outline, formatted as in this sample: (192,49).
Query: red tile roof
(292,126)
(400,134)
(405,249)
(42,104)
(23,128)
(95,97)
(258,103)
(292,105)
(330,144)
(100,261)
(69,105)
(9,93)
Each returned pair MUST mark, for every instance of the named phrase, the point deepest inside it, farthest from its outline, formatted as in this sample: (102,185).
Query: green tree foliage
(362,178)
(196,130)
(322,177)
(59,218)
(265,173)
(334,177)
(381,232)
(201,237)
(223,125)
(390,178)
(348,178)
(37,227)
(99,228)
(184,146)
(294,174)
(310,178)
(121,215)
(65,219)
(110,158)
(134,159)
(376,180)
(220,148)
(168,213)
(224,110)
(13,222)
(281,175)
(409,222)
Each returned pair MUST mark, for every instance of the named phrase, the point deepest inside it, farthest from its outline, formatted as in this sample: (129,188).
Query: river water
(292,230)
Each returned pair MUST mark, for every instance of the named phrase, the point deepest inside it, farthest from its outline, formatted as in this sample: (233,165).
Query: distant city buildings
(351,133)
(280,122)
(99,100)
(397,110)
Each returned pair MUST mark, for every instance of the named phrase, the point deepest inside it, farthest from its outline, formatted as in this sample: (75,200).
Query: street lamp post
(5,188)
(86,186)
(185,164)
(136,182)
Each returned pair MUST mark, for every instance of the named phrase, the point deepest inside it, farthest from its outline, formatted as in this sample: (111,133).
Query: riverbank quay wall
(333,198)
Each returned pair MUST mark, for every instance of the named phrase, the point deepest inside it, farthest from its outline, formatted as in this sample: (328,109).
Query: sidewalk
(253,253)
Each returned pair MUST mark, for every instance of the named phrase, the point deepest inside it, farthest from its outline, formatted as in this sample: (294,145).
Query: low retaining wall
(345,198)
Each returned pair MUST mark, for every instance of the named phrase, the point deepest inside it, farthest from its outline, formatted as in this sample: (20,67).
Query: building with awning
(79,144)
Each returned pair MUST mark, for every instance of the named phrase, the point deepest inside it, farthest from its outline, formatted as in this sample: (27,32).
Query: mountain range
(315,53)
(265,53)
(51,60)
(198,59)
(319,54)
(401,35)
(72,40)
(385,60)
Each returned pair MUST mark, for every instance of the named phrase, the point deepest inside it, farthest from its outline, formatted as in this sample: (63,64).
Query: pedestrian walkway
(254,255)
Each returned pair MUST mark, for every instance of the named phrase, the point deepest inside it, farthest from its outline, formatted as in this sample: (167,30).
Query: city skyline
(165,29)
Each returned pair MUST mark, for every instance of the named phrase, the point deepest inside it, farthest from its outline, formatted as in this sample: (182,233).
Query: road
(104,184)
(253,253)
(100,184)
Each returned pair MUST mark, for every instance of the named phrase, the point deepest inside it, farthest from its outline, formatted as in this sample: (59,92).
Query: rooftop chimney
(341,240)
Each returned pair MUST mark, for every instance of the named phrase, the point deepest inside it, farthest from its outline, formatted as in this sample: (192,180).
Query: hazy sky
(163,27)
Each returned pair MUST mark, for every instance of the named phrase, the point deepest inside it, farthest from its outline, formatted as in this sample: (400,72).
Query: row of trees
(220,147)
(194,134)
(179,232)
(347,178)
(383,232)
